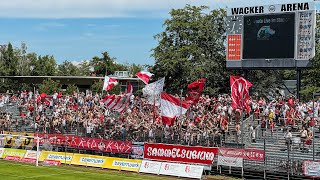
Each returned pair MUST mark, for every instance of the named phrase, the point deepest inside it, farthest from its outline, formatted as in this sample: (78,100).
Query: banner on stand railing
(248,154)
(311,169)
(179,153)
(102,145)
(137,151)
(230,161)
(18,140)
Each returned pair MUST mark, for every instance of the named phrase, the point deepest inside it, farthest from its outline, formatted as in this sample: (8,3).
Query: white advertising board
(181,170)
(230,161)
(1,152)
(151,167)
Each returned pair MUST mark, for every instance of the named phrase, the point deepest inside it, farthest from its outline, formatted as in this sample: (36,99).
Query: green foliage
(97,86)
(8,84)
(192,47)
(68,69)
(71,89)
(307,92)
(115,90)
(45,66)
(49,87)
(84,68)
(138,92)
(134,68)
(106,63)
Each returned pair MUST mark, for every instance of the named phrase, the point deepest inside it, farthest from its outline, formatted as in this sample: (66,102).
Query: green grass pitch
(23,171)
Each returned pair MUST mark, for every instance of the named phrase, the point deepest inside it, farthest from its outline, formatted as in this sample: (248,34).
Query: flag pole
(180,119)
(242,116)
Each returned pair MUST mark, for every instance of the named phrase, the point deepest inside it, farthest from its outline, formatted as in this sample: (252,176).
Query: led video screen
(269,36)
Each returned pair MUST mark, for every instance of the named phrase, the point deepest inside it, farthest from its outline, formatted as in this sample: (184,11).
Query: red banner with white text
(248,154)
(78,142)
(179,153)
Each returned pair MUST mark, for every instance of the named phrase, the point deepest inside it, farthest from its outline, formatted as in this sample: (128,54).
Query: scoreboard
(272,36)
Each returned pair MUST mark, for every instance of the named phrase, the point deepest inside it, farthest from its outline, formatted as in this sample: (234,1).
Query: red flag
(43,95)
(239,91)
(144,76)
(59,95)
(195,89)
(129,88)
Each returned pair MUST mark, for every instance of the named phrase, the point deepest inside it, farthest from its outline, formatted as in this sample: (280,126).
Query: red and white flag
(171,107)
(109,83)
(118,103)
(144,76)
(239,91)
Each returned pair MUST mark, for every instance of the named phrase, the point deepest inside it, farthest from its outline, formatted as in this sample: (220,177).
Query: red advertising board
(12,158)
(248,154)
(28,160)
(78,142)
(179,153)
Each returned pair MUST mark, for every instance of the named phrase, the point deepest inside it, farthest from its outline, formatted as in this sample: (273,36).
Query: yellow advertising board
(58,156)
(13,152)
(88,160)
(123,164)
(19,141)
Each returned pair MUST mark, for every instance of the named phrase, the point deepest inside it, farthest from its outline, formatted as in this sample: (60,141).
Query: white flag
(152,92)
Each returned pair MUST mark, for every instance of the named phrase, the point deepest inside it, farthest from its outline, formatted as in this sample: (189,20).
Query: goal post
(19,139)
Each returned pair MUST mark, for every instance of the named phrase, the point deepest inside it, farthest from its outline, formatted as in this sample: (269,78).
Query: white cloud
(109,8)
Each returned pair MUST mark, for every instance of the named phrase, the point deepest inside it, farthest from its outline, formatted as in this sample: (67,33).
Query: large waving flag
(118,103)
(195,89)
(171,107)
(144,76)
(152,92)
(109,83)
(239,91)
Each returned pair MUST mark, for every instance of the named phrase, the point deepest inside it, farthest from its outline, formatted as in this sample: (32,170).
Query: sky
(77,30)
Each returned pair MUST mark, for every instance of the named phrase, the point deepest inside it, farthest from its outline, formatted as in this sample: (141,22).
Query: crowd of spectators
(206,123)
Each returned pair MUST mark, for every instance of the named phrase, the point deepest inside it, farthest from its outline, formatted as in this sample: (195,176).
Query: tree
(71,89)
(192,47)
(97,86)
(106,63)
(134,68)
(49,87)
(45,66)
(85,69)
(10,61)
(68,69)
